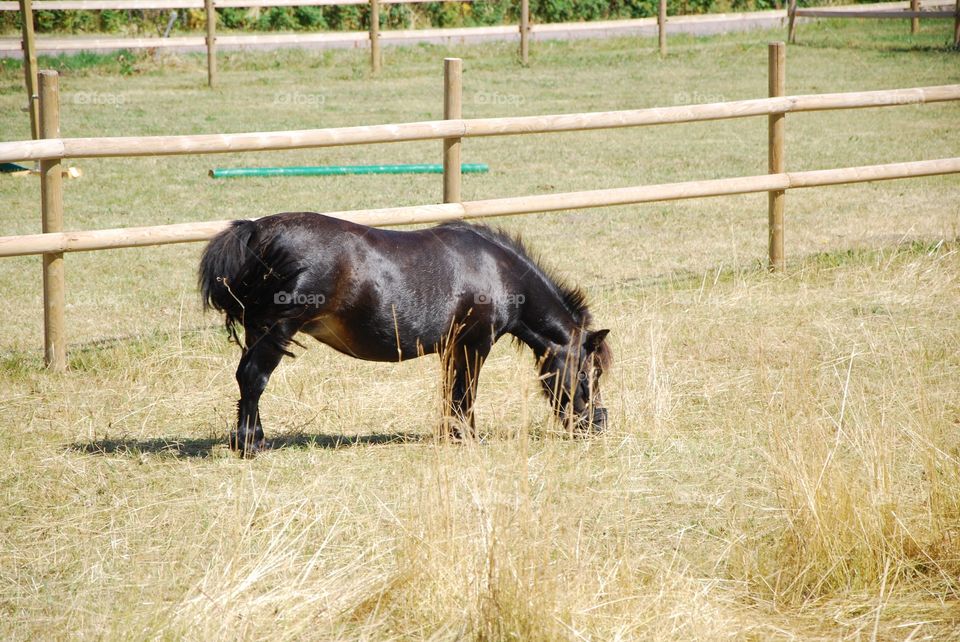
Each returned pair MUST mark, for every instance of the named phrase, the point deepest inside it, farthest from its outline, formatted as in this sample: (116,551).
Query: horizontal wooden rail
(53,45)
(201,231)
(432,130)
(130,5)
(890,13)
(885,10)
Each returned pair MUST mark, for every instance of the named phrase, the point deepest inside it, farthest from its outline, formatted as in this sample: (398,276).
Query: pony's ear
(594,340)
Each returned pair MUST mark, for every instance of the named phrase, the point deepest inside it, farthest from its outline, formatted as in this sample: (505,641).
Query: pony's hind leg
(263,352)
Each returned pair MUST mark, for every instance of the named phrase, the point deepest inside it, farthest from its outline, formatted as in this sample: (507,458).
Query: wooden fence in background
(914,13)
(51,149)
(29,41)
(26,7)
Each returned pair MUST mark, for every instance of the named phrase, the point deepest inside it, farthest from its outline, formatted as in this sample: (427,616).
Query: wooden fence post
(51,203)
(524,31)
(956,26)
(662,26)
(29,44)
(375,35)
(914,21)
(792,22)
(776,59)
(452,109)
(211,42)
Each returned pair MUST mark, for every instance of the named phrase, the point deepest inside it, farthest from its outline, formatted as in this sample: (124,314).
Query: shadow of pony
(205,447)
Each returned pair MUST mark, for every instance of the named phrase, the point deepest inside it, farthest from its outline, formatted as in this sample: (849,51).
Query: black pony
(385,295)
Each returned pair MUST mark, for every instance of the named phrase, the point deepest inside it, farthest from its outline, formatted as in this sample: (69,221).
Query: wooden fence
(29,41)
(26,7)
(51,149)
(914,13)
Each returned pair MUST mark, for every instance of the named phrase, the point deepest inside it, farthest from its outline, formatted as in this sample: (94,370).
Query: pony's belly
(332,331)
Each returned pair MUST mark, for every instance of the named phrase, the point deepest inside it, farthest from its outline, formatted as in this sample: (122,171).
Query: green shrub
(758,5)
(232,18)
(310,17)
(445,14)
(393,16)
(490,12)
(76,21)
(569,10)
(398,16)
(345,18)
(45,20)
(111,20)
(696,6)
(639,8)
(277,19)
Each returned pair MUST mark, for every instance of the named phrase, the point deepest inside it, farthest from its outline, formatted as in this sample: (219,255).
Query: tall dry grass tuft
(657,398)
(938,447)
(473,557)
(835,483)
(507,542)
(865,462)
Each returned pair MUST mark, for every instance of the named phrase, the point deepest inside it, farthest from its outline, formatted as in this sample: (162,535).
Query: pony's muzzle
(594,422)
(598,422)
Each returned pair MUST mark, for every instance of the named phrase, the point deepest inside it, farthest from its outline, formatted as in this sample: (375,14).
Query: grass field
(784,455)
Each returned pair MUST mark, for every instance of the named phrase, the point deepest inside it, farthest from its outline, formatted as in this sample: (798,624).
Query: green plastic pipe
(10,168)
(342,170)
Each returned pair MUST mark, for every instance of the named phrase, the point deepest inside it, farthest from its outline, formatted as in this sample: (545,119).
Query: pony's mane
(574,299)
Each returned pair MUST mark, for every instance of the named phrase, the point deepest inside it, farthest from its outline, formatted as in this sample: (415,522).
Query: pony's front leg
(260,358)
(462,374)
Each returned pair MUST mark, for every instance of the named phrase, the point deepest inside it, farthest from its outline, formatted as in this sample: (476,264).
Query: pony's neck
(545,324)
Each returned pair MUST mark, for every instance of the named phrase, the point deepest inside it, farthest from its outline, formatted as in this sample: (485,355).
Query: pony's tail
(222,269)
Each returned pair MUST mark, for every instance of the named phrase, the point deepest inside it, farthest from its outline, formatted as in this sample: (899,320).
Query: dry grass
(784,456)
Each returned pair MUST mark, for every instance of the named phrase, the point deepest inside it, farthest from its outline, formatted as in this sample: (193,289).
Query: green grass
(783,460)
(120,62)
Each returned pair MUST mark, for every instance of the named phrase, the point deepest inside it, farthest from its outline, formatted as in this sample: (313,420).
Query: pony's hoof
(247,450)
(461,434)
(456,431)
(254,449)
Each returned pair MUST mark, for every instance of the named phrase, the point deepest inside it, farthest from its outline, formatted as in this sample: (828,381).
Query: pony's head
(571,379)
